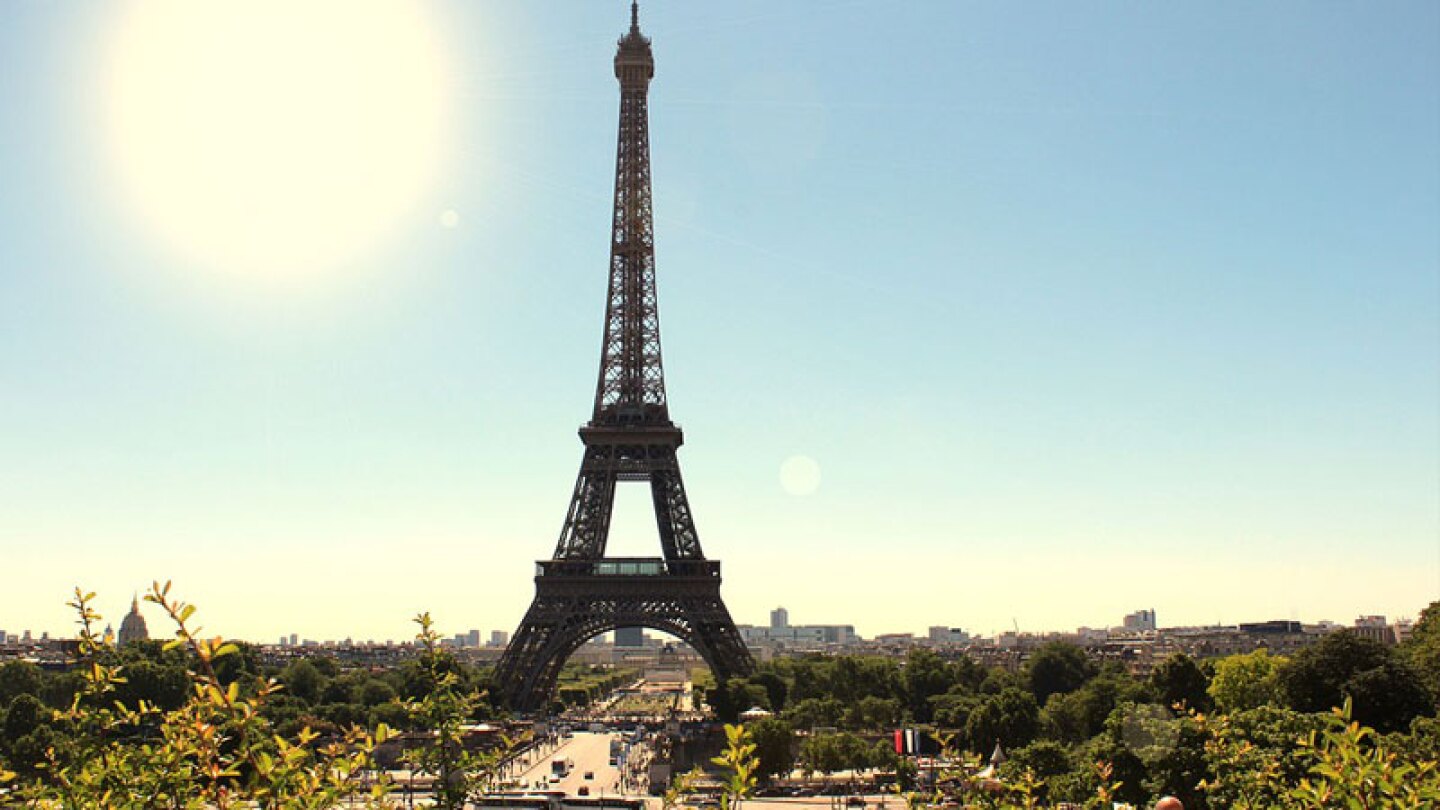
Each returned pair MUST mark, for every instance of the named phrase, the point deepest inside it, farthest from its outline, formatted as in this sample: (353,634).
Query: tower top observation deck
(634,63)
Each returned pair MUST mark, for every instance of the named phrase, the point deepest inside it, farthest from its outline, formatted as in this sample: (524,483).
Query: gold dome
(132,627)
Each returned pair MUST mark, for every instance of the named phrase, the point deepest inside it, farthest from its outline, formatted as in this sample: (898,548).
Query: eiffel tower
(581,593)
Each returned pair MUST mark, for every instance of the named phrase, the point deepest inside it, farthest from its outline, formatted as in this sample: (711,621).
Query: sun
(277,141)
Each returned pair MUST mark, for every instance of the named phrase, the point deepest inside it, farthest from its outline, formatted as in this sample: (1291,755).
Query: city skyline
(487,635)
(1038,317)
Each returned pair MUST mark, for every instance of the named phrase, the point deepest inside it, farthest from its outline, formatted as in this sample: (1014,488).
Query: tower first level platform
(576,600)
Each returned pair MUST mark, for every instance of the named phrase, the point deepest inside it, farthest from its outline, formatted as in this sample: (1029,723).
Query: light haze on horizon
(1060,310)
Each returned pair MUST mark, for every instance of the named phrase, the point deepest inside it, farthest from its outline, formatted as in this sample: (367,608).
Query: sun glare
(281,141)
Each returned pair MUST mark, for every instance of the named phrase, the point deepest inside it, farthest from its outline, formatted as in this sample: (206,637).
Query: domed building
(132,627)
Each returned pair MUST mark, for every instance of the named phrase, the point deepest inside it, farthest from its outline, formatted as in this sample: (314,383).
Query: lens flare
(800,475)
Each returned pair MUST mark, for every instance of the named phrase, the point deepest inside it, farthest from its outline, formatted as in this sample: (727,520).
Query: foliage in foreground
(460,773)
(196,725)
(740,765)
(1351,766)
(1061,713)
(1336,763)
(215,745)
(1345,765)
(216,750)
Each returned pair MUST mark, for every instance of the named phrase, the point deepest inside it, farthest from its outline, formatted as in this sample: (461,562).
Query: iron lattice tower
(580,592)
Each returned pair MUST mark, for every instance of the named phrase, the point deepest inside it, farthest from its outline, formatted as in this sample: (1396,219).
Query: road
(591,754)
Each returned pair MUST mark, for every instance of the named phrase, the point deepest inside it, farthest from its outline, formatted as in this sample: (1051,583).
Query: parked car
(584,790)
(589,774)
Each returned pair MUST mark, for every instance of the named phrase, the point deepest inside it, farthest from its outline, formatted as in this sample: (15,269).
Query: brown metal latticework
(580,593)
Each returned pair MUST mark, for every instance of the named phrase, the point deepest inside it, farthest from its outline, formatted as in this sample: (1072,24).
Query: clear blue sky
(1078,309)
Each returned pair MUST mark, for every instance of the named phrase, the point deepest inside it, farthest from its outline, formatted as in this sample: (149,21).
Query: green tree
(342,689)
(1044,758)
(1077,716)
(882,756)
(855,754)
(374,692)
(1057,667)
(952,709)
(1108,767)
(393,715)
(59,689)
(1387,693)
(1010,717)
(1421,742)
(303,680)
(243,663)
(815,713)
(1178,681)
(1179,766)
(343,715)
(1315,678)
(734,696)
(1246,681)
(805,676)
(166,686)
(26,713)
(1422,649)
(998,679)
(1253,756)
(776,690)
(873,714)
(822,753)
(925,676)
(853,677)
(18,678)
(774,740)
(1390,696)
(28,752)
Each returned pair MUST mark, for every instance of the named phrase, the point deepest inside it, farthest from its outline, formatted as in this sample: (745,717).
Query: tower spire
(631,387)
